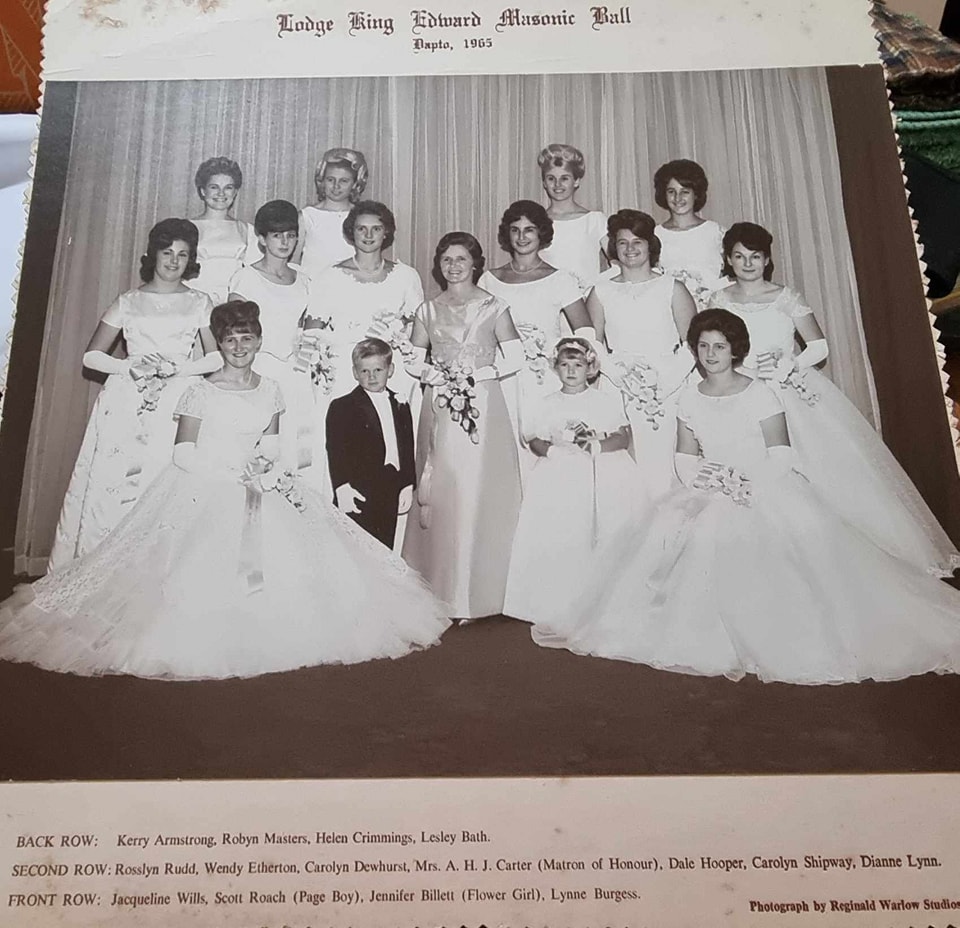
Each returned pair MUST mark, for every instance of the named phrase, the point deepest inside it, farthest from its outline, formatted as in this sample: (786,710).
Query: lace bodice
(232,421)
(536,303)
(771,325)
(728,427)
(639,317)
(160,323)
(281,306)
(463,333)
(351,305)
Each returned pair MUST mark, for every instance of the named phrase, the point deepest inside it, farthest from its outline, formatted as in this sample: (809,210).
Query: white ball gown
(536,307)
(323,241)
(465,508)
(572,504)
(224,247)
(281,312)
(782,588)
(840,452)
(576,246)
(647,355)
(205,579)
(129,436)
(695,257)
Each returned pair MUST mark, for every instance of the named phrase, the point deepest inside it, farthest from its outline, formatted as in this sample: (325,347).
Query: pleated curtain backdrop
(444,153)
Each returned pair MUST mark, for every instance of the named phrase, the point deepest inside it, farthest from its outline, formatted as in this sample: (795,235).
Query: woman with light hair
(578,233)
(340,179)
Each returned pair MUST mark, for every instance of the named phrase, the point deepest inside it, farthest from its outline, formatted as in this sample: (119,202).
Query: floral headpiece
(579,345)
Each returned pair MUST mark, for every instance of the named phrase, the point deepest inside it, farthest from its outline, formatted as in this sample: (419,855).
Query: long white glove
(269,447)
(815,352)
(513,360)
(347,498)
(418,368)
(208,364)
(687,467)
(106,363)
(780,460)
(186,458)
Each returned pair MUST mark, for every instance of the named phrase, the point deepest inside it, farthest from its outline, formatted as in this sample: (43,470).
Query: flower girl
(583,489)
(745,568)
(225,568)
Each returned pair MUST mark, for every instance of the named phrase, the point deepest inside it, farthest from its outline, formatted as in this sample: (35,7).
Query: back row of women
(524,504)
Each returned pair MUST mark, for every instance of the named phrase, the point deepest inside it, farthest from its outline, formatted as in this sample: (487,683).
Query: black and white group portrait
(330,366)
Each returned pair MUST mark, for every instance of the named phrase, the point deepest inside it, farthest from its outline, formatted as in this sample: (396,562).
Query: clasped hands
(577,437)
(772,365)
(153,365)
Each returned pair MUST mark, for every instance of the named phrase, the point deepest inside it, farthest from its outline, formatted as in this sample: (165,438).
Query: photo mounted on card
(438,394)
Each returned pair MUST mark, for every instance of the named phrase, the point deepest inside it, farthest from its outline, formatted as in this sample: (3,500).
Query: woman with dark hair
(226,243)
(746,569)
(366,295)
(226,567)
(691,245)
(642,316)
(468,489)
(280,291)
(841,454)
(129,436)
(340,179)
(541,298)
(578,239)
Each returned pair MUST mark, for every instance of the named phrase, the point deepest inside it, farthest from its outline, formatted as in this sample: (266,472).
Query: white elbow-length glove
(106,363)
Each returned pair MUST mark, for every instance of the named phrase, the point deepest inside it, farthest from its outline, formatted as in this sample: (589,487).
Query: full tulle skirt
(205,579)
(783,589)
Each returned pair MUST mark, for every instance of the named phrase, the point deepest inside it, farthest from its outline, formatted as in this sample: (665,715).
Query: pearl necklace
(369,271)
(527,270)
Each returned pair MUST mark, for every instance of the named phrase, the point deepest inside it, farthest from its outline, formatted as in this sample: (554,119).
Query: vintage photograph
(487,425)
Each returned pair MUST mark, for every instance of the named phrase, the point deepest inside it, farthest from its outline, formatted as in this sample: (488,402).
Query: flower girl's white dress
(208,579)
(781,588)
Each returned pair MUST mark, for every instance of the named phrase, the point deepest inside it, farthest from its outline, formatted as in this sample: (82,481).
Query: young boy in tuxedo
(370,445)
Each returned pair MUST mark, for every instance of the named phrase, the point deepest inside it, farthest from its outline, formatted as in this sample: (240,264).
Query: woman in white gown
(129,436)
(340,179)
(746,569)
(578,232)
(280,290)
(541,298)
(642,315)
(465,508)
(225,568)
(226,243)
(691,246)
(841,454)
(583,489)
(363,296)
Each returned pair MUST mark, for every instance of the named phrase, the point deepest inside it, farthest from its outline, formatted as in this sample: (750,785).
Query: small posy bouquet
(262,474)
(394,328)
(639,385)
(150,375)
(316,356)
(794,378)
(724,479)
(534,341)
(798,380)
(694,284)
(457,394)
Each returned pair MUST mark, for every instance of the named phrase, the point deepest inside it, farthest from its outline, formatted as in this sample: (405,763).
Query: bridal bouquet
(798,380)
(534,342)
(724,479)
(150,377)
(316,356)
(394,328)
(457,395)
(639,384)
(262,473)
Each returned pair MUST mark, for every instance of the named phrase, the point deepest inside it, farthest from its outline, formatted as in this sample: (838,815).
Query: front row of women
(228,566)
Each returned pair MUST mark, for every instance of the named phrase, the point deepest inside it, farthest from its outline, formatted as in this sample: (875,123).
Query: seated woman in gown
(228,566)
(746,568)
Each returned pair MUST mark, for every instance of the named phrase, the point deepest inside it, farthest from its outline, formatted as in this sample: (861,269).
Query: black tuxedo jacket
(355,445)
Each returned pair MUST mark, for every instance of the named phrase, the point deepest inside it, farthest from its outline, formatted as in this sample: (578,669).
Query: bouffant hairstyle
(640,224)
(525,209)
(237,316)
(213,166)
(348,158)
(686,173)
(371,348)
(560,155)
(163,235)
(751,236)
(579,348)
(466,240)
(371,208)
(276,216)
(728,324)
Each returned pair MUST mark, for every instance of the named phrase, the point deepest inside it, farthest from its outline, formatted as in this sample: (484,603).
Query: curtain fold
(444,153)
